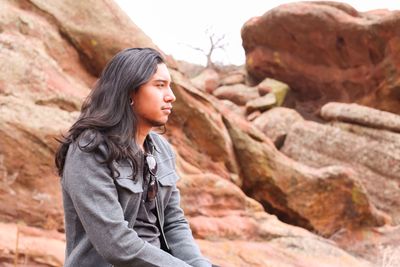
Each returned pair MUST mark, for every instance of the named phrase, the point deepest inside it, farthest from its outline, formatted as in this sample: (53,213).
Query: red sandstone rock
(262,103)
(32,191)
(207,80)
(233,78)
(379,245)
(30,246)
(327,51)
(324,200)
(276,123)
(376,161)
(285,252)
(197,131)
(97,37)
(239,94)
(53,52)
(362,115)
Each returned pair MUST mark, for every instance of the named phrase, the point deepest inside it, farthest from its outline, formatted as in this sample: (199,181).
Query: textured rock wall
(52,53)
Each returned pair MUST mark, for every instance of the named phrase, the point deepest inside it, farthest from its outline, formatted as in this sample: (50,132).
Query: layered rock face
(236,186)
(363,140)
(366,146)
(327,51)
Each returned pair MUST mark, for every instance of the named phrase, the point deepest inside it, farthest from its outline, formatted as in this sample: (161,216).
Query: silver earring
(131,102)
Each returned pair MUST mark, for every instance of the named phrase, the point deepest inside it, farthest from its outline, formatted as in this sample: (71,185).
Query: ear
(132,98)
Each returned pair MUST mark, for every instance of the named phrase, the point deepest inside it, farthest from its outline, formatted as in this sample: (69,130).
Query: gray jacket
(100,213)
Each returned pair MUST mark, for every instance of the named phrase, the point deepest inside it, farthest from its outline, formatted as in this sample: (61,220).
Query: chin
(159,123)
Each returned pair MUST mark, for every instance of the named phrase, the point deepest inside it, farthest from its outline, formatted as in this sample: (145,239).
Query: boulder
(276,123)
(225,221)
(233,78)
(207,80)
(197,129)
(37,53)
(262,103)
(376,161)
(379,245)
(42,248)
(30,188)
(239,94)
(327,51)
(97,38)
(379,135)
(36,75)
(320,199)
(22,245)
(189,69)
(361,115)
(252,116)
(240,110)
(279,89)
(283,252)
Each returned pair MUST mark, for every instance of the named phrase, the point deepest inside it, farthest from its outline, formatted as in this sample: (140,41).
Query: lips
(167,108)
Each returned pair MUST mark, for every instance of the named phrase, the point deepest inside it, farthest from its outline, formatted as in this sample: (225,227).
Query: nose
(169,96)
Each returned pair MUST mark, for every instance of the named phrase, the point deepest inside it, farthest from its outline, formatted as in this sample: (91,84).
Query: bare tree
(217,41)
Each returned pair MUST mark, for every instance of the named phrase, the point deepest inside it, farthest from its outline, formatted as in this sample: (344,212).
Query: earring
(131,102)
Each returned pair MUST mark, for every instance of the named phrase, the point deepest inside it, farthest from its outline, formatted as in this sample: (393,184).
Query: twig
(16,248)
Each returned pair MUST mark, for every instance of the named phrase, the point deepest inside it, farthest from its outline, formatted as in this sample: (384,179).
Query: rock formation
(238,190)
(327,51)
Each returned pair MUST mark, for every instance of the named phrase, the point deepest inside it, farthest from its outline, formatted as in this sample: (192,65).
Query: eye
(160,85)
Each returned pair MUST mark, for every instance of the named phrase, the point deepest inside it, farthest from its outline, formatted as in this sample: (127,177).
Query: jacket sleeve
(95,199)
(178,233)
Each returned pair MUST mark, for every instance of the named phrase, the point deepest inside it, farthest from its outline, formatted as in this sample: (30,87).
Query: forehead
(162,73)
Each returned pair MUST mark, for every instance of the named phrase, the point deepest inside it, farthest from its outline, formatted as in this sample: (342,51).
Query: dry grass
(16,248)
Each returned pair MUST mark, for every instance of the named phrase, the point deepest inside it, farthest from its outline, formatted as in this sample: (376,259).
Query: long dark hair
(106,114)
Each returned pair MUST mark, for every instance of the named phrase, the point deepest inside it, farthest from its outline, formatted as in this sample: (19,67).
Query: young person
(118,177)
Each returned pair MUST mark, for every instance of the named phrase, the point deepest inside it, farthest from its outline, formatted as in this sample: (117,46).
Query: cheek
(141,109)
(148,101)
(146,108)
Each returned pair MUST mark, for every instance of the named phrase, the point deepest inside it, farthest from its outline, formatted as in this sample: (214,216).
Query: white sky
(175,25)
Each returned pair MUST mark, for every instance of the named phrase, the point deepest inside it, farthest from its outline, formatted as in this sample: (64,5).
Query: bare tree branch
(216,42)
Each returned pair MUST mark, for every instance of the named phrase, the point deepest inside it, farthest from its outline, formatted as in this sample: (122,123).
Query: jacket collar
(150,145)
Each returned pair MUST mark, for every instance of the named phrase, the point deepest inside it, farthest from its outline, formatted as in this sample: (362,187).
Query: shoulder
(89,138)
(88,143)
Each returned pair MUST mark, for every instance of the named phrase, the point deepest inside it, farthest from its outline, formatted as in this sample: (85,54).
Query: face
(152,102)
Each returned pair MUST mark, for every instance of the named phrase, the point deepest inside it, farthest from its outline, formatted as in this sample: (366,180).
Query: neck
(141,136)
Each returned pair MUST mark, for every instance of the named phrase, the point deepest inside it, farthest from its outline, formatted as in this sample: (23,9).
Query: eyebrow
(160,80)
